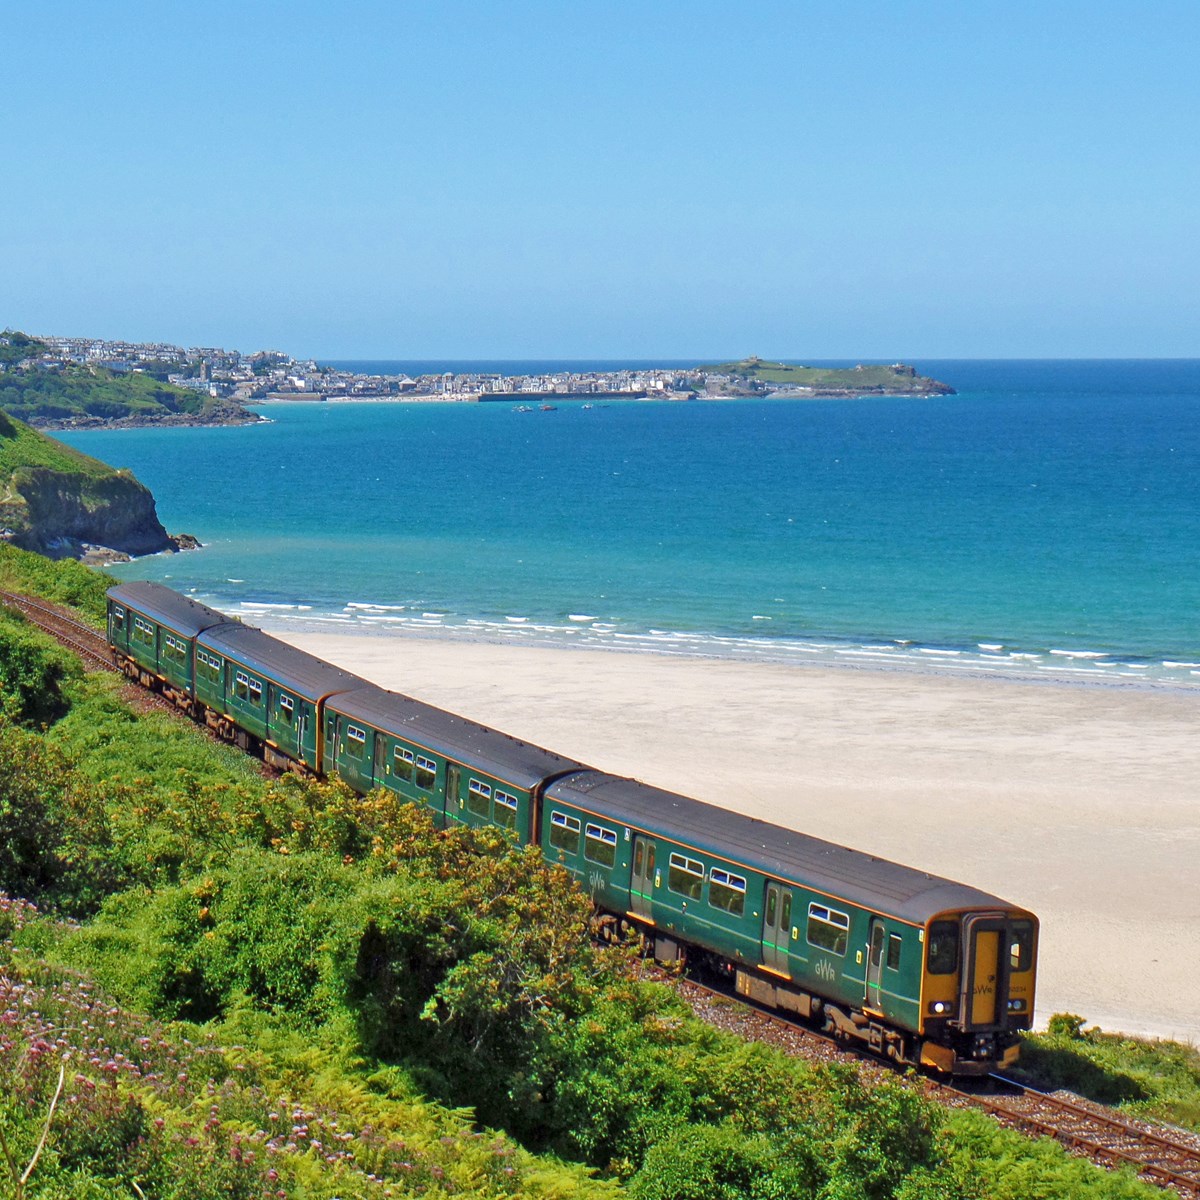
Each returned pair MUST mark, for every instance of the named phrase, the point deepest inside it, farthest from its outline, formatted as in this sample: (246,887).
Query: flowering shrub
(182,1118)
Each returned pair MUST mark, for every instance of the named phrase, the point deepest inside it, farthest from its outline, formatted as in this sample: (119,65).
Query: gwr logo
(984,989)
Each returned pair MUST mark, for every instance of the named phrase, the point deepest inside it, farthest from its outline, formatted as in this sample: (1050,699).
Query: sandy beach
(1080,802)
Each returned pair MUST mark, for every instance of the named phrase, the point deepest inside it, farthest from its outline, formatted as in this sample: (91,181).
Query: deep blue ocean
(1046,519)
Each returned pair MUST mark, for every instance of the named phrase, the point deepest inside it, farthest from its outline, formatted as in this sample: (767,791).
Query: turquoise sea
(1044,520)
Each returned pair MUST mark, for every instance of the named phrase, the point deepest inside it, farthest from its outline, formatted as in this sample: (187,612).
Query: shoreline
(1077,801)
(1057,666)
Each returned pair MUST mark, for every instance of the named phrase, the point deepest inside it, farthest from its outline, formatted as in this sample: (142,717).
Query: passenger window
(772,902)
(941,955)
(726,892)
(356,741)
(785,912)
(895,941)
(685,876)
(639,857)
(479,798)
(402,764)
(504,811)
(426,773)
(600,845)
(287,709)
(564,834)
(1020,951)
(241,685)
(828,929)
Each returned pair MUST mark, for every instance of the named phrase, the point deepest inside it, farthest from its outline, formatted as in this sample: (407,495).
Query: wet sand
(1079,802)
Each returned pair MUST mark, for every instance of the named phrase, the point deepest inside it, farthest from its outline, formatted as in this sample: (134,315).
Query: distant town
(266,375)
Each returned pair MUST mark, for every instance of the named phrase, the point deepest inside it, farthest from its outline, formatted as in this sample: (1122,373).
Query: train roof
(185,616)
(785,854)
(499,754)
(296,670)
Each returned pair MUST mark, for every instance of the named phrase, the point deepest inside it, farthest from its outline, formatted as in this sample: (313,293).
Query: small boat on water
(523,408)
(549,408)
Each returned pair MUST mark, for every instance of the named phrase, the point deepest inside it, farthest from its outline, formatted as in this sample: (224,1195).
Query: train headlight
(939,1007)
(1016,1005)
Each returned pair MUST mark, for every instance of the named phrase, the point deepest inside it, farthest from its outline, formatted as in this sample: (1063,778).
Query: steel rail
(1101,1135)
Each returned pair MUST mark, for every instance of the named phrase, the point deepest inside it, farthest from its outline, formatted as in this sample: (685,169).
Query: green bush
(1150,1078)
(33,674)
(64,581)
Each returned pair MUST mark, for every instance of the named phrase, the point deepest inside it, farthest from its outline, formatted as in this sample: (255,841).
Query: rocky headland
(64,504)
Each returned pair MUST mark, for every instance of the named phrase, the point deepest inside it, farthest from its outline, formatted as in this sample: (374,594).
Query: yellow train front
(977,988)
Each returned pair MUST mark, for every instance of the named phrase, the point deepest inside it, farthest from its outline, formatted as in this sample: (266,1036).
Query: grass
(1159,1080)
(64,582)
(23,447)
(862,378)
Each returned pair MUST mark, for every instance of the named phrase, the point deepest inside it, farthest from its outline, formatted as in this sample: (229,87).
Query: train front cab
(977,989)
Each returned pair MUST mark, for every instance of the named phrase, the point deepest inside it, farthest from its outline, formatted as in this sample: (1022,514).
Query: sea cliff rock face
(62,510)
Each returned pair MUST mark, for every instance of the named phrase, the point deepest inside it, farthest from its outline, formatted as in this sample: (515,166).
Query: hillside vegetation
(243,987)
(58,395)
(53,498)
(897,379)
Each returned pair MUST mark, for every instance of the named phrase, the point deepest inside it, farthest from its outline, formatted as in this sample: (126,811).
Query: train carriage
(918,967)
(464,772)
(262,693)
(152,631)
(921,968)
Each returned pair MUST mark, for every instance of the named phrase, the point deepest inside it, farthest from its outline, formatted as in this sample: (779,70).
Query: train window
(356,741)
(564,833)
(600,845)
(895,941)
(727,892)
(241,685)
(118,617)
(402,764)
(479,798)
(287,709)
(828,929)
(785,912)
(143,632)
(504,813)
(426,773)
(255,692)
(685,876)
(1020,950)
(174,649)
(208,667)
(941,954)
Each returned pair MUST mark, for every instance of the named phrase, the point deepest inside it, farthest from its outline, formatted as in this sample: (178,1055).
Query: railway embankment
(218,984)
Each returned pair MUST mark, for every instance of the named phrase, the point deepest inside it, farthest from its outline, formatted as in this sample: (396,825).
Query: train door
(641,892)
(985,975)
(777,927)
(380,760)
(875,965)
(453,788)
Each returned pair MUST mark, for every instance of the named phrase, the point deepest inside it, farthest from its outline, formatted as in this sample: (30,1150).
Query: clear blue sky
(612,178)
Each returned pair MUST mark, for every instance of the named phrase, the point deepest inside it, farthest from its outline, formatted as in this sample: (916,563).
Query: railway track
(1099,1134)
(92,648)
(68,629)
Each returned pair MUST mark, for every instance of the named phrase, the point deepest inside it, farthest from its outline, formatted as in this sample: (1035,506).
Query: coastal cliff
(62,503)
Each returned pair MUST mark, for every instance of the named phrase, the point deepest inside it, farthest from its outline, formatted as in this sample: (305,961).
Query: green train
(919,968)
